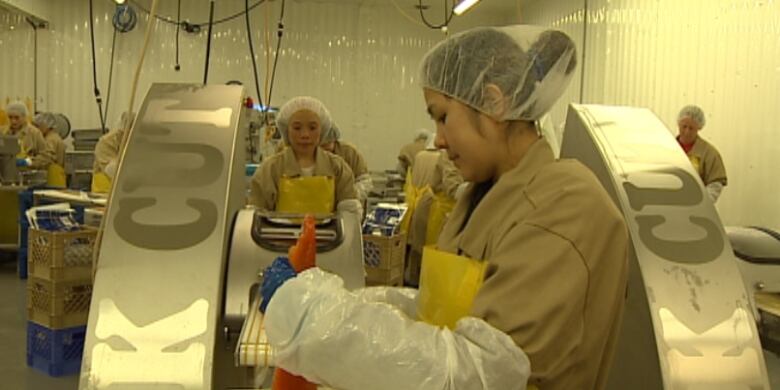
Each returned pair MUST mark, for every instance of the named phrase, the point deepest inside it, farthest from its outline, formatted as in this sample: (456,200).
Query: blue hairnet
(693,112)
(298,104)
(532,66)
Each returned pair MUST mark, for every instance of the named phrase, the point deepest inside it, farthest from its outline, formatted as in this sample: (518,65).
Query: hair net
(422,134)
(297,104)
(532,66)
(333,134)
(16,108)
(45,119)
(693,112)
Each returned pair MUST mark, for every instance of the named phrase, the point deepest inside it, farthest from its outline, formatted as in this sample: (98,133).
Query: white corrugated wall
(16,59)
(723,55)
(359,56)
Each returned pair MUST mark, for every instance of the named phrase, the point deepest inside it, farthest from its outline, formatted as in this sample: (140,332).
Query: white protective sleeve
(363,186)
(714,189)
(352,206)
(357,341)
(110,169)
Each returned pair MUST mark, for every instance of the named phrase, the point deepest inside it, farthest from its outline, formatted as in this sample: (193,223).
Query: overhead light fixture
(464,6)
(119,1)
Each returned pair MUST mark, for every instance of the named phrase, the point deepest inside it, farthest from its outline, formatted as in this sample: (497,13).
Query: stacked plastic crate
(59,289)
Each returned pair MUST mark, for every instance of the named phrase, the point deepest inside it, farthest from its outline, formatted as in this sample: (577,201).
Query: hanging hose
(208,43)
(177,67)
(125,124)
(35,63)
(252,54)
(279,35)
(149,28)
(110,75)
(98,99)
(447,15)
(267,49)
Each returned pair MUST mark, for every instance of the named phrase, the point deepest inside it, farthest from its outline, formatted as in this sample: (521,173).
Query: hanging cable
(447,16)
(35,63)
(279,36)
(110,75)
(147,36)
(177,67)
(208,43)
(203,24)
(267,48)
(402,12)
(252,53)
(98,99)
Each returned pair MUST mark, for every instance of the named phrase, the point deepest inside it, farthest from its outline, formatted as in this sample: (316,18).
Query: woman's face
(304,132)
(16,121)
(689,129)
(470,138)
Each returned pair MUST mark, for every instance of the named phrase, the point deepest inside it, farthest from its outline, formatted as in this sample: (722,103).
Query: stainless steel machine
(688,322)
(180,254)
(9,148)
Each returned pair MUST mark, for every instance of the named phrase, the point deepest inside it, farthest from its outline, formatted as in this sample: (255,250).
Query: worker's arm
(43,154)
(263,191)
(545,277)
(336,338)
(346,195)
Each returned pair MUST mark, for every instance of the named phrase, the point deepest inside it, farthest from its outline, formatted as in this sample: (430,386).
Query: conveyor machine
(688,322)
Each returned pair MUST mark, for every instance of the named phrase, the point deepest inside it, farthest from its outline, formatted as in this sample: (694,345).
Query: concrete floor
(13,362)
(13,338)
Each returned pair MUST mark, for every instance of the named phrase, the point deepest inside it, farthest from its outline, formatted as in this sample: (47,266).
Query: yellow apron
(696,162)
(55,176)
(101,183)
(441,206)
(303,195)
(412,196)
(448,285)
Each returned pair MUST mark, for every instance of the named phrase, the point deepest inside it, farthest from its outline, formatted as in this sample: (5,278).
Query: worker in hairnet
(304,178)
(528,278)
(705,158)
(35,153)
(45,122)
(409,151)
(107,153)
(438,182)
(331,142)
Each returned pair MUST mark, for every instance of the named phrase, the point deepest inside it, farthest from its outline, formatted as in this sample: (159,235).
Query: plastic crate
(58,305)
(55,352)
(384,252)
(384,277)
(61,256)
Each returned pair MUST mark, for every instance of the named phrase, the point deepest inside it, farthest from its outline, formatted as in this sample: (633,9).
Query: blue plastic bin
(55,352)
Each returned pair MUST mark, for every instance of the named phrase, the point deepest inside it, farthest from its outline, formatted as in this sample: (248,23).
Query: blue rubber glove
(274,277)
(23,162)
